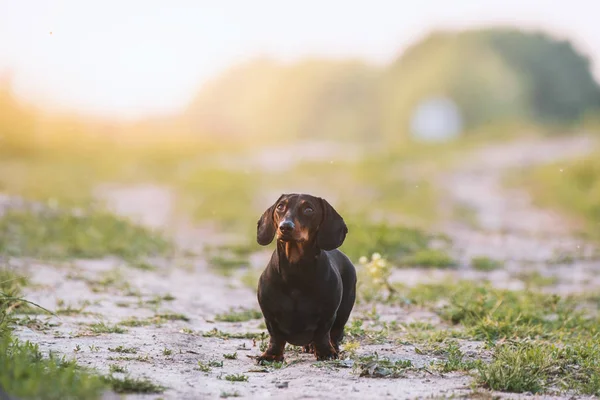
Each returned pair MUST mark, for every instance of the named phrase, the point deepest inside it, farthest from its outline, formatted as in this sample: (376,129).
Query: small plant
(238,316)
(351,347)
(94,348)
(101,327)
(117,368)
(225,395)
(167,352)
(232,356)
(77,348)
(375,367)
(432,258)
(133,385)
(455,360)
(374,277)
(172,317)
(203,367)
(236,378)
(518,369)
(483,263)
(124,350)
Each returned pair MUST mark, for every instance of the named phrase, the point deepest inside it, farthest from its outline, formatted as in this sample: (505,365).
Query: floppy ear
(265,229)
(332,230)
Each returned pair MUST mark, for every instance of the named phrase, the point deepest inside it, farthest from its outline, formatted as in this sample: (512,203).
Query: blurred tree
(494,75)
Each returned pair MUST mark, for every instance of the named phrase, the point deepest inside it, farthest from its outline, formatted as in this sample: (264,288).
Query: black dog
(308,289)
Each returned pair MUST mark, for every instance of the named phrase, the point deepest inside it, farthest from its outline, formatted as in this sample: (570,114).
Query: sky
(130,58)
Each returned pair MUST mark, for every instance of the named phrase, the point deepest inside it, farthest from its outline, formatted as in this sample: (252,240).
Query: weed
(455,360)
(225,335)
(236,378)
(133,385)
(167,352)
(432,258)
(484,263)
(117,368)
(101,328)
(225,395)
(57,233)
(25,373)
(239,316)
(172,317)
(125,350)
(375,367)
(145,358)
(231,356)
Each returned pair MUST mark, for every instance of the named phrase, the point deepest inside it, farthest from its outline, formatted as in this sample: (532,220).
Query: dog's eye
(308,210)
(280,207)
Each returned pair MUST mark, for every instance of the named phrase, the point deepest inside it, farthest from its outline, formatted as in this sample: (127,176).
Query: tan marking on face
(293,252)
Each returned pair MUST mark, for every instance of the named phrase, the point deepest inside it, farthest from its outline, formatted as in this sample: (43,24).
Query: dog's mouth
(286,236)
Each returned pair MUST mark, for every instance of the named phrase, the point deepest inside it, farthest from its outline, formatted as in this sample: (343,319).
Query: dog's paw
(309,348)
(328,354)
(269,358)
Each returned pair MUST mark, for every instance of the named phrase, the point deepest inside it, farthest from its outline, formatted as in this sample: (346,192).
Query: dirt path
(508,228)
(503,223)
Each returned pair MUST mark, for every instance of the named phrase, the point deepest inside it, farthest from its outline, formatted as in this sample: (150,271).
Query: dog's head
(302,218)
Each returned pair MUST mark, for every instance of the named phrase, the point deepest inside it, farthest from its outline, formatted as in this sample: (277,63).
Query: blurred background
(230,104)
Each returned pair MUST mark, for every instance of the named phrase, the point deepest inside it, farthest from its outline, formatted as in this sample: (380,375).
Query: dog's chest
(299,311)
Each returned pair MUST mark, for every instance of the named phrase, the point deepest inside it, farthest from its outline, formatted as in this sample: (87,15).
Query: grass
(572,187)
(484,263)
(127,384)
(172,317)
(393,242)
(101,328)
(117,368)
(372,366)
(540,367)
(429,258)
(231,356)
(24,371)
(123,350)
(226,335)
(55,233)
(236,378)
(238,316)
(455,360)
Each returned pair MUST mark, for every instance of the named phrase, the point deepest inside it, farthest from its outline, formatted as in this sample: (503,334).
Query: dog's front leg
(276,345)
(324,349)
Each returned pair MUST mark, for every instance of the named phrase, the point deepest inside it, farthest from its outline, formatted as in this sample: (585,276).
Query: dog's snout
(286,226)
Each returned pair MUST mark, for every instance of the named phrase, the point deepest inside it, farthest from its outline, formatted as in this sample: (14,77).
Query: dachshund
(308,289)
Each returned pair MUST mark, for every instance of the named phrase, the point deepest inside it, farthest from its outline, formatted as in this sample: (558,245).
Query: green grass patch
(572,187)
(373,366)
(429,258)
(540,367)
(226,335)
(57,234)
(484,263)
(393,242)
(123,350)
(102,328)
(117,368)
(236,378)
(131,385)
(24,371)
(238,316)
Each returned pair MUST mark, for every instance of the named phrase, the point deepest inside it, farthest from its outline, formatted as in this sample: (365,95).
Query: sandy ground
(507,226)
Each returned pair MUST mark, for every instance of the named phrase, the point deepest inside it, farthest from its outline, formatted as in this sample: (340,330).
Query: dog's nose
(286,226)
